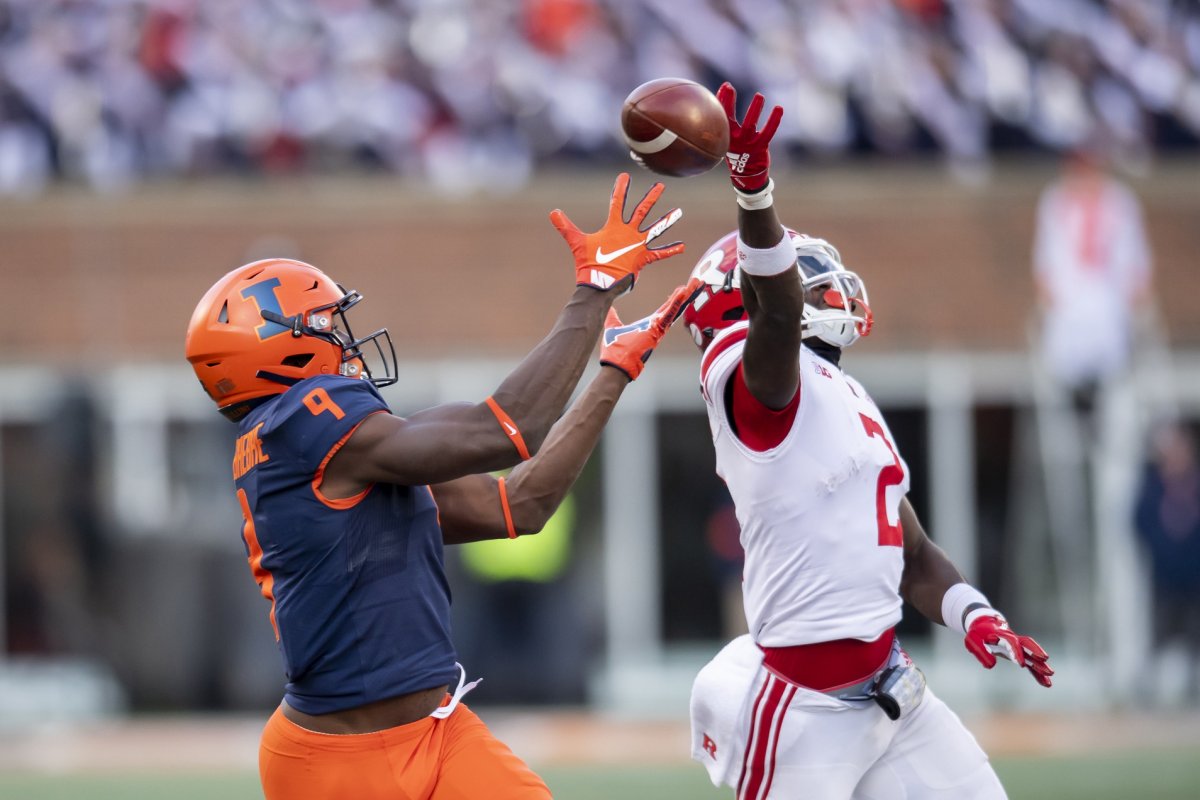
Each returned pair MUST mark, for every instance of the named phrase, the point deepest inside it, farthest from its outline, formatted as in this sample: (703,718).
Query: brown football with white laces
(676,127)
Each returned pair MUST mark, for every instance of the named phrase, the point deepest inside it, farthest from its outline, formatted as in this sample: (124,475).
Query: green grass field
(1159,775)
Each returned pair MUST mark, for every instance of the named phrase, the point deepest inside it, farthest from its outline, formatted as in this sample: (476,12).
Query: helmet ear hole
(299,360)
(734,314)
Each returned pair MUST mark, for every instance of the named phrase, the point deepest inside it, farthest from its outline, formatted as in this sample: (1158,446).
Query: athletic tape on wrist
(771,261)
(510,428)
(963,604)
(512,531)
(756,201)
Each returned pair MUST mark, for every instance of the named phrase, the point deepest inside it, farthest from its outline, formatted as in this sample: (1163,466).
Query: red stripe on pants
(787,701)
(753,728)
(764,731)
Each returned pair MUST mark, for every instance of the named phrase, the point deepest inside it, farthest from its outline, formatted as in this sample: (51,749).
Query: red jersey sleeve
(758,427)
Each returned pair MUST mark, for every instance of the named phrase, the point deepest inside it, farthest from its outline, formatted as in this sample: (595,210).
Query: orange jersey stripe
(262,575)
(339,503)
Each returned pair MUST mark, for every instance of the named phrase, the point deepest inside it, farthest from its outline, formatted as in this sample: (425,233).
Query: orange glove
(620,248)
(628,347)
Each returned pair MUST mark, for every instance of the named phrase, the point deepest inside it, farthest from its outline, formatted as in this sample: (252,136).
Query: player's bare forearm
(470,508)
(928,572)
(539,485)
(760,228)
(535,393)
(451,440)
(775,305)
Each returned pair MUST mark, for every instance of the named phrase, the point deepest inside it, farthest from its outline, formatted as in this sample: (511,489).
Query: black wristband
(967,611)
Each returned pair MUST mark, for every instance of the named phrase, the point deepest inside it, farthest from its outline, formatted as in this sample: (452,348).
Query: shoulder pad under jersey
(316,414)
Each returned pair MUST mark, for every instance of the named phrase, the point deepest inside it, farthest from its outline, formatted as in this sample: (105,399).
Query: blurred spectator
(469,94)
(1092,269)
(25,147)
(1168,524)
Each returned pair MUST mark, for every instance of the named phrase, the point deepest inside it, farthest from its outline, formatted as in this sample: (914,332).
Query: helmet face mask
(269,325)
(844,314)
(839,315)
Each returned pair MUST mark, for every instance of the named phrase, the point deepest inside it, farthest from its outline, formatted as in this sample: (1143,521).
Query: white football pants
(773,740)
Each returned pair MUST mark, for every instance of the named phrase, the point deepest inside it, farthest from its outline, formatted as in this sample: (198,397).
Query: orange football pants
(456,758)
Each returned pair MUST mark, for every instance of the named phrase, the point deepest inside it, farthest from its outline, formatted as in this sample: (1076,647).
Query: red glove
(619,249)
(748,156)
(628,347)
(990,636)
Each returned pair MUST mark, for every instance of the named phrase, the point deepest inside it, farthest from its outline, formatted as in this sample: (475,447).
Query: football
(675,127)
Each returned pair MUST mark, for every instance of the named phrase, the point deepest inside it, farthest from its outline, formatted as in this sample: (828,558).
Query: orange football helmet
(270,324)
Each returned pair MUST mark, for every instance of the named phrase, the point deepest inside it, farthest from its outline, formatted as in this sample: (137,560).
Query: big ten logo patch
(709,746)
(820,370)
(248,453)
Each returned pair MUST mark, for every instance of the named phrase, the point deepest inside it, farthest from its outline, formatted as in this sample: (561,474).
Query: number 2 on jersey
(890,535)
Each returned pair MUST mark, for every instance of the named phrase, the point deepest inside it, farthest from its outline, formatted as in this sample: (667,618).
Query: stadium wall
(947,264)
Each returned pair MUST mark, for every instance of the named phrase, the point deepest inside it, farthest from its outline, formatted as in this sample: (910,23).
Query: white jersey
(819,513)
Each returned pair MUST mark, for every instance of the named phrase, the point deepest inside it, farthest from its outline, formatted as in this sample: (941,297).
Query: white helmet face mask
(847,316)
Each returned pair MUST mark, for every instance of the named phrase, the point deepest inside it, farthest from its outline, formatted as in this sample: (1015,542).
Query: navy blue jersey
(360,602)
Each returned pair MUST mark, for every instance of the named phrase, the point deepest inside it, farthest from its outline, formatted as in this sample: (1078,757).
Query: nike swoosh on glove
(620,249)
(990,636)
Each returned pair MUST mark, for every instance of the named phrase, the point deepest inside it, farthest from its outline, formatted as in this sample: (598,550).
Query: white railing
(141,403)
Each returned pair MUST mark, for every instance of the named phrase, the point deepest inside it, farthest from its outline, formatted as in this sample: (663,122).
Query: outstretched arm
(607,261)
(935,587)
(484,507)
(448,441)
(771,286)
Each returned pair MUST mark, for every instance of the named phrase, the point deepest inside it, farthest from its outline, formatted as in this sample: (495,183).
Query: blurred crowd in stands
(473,94)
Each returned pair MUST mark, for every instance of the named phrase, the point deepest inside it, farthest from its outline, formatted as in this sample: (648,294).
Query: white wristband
(756,201)
(963,604)
(771,261)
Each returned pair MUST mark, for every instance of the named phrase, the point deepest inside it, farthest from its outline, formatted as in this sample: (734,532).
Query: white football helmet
(719,304)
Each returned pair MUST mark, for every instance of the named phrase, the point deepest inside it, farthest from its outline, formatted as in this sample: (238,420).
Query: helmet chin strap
(825,350)
(286,380)
(838,331)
